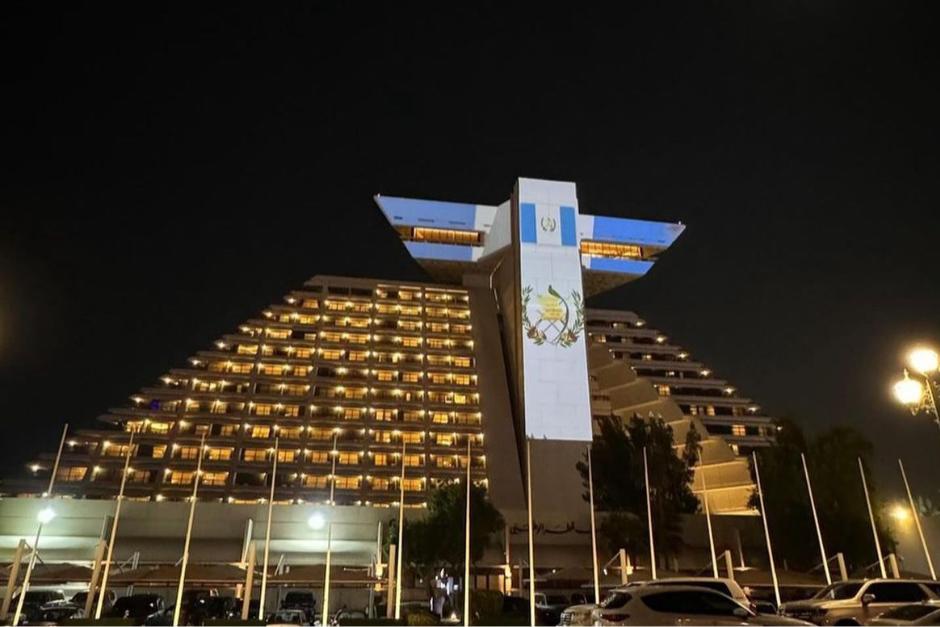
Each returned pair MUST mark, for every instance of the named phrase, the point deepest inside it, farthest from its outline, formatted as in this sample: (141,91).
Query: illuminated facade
(344,373)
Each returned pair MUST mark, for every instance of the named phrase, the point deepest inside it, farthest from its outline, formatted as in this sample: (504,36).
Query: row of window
(225,453)
(291,431)
(303,370)
(338,354)
(185,478)
(365,307)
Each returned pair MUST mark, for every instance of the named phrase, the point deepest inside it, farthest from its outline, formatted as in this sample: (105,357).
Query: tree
(832,458)
(619,487)
(436,541)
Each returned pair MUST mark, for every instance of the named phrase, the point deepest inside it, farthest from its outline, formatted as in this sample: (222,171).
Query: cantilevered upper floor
(449,238)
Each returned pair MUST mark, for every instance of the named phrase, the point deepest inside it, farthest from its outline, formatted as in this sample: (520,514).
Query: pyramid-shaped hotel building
(496,349)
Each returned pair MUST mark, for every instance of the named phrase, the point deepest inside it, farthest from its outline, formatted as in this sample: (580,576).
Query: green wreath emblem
(558,329)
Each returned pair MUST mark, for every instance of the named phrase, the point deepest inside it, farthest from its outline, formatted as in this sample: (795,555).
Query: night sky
(169,172)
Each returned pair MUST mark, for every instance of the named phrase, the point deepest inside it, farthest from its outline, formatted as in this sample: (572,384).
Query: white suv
(663,604)
(856,602)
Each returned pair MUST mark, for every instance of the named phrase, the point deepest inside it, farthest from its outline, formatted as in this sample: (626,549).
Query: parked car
(349,617)
(34,601)
(580,614)
(56,612)
(914,614)
(79,599)
(676,605)
(548,607)
(285,617)
(726,586)
(856,602)
(139,607)
(303,601)
(208,608)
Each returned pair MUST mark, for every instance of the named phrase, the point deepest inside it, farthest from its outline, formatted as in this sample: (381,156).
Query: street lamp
(317,521)
(923,360)
(899,513)
(44,517)
(915,394)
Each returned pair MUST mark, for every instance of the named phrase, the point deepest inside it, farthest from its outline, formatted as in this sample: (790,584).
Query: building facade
(346,381)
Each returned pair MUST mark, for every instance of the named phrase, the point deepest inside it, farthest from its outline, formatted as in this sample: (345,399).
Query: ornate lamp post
(919,395)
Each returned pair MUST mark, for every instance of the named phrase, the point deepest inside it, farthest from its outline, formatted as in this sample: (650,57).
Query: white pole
(812,503)
(528,476)
(649,515)
(871,516)
(267,533)
(763,516)
(114,528)
(189,534)
(29,571)
(914,513)
(597,577)
(401,531)
(326,575)
(58,457)
(708,522)
(466,548)
(507,572)
(334,454)
(35,551)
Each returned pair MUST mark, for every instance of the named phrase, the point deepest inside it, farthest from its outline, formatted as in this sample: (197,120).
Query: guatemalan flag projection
(555,376)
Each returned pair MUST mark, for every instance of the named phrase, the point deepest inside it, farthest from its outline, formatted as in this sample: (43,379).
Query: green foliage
(619,487)
(832,458)
(486,602)
(437,540)
(422,618)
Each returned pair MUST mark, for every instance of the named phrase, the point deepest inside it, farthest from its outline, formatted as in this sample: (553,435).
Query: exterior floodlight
(317,521)
(900,513)
(46,515)
(923,360)
(908,391)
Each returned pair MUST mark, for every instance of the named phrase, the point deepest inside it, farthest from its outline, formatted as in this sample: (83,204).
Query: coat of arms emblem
(556,320)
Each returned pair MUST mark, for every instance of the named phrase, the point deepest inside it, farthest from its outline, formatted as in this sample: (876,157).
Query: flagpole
(267,534)
(916,515)
(871,516)
(466,560)
(708,522)
(326,575)
(597,582)
(812,503)
(649,515)
(189,534)
(114,527)
(35,552)
(334,454)
(528,474)
(401,531)
(58,457)
(763,515)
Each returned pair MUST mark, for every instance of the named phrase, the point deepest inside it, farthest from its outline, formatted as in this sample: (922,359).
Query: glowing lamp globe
(317,521)
(923,360)
(908,391)
(46,515)
(900,513)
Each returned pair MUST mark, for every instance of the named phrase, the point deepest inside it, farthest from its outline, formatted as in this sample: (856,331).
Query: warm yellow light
(908,391)
(923,360)
(900,513)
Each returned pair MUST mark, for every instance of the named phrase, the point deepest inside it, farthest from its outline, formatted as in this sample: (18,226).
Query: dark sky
(168,172)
